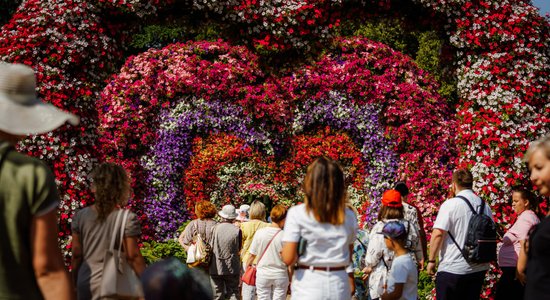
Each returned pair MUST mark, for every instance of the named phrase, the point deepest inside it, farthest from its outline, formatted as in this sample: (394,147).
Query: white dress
(327,246)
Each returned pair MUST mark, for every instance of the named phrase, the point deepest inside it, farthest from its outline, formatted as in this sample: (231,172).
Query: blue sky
(543,5)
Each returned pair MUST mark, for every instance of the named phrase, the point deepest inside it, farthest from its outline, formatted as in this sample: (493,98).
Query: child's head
(395,235)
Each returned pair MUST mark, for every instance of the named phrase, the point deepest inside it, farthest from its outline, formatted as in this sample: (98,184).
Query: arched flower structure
(159,91)
(502,63)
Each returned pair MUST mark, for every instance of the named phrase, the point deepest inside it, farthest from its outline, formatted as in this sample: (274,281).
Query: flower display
(171,117)
(167,110)
(171,154)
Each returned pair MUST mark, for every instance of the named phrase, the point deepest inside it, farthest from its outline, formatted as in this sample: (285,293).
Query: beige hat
(21,112)
(228,212)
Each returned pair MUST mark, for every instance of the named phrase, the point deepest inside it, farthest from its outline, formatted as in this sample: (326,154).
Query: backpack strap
(470,204)
(362,244)
(475,213)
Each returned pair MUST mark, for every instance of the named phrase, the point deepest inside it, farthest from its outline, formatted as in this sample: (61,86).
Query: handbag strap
(124,214)
(113,236)
(122,227)
(265,250)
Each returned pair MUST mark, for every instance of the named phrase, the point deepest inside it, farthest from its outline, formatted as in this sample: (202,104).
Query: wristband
(431,261)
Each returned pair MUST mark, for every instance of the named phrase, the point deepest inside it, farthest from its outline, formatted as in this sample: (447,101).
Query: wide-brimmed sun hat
(21,112)
(228,212)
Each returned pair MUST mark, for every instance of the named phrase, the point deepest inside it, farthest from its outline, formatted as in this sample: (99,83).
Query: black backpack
(481,240)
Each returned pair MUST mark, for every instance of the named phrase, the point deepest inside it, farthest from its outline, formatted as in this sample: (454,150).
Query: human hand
(431,268)
(366,272)
(521,277)
(421,265)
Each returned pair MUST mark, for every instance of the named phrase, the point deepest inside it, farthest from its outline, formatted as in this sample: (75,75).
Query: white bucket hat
(228,212)
(21,112)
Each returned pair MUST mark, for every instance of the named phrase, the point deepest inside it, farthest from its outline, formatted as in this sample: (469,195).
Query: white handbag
(119,279)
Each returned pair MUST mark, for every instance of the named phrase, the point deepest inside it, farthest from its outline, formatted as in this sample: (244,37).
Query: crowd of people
(314,250)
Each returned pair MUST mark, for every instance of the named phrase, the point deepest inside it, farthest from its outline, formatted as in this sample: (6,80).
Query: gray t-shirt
(95,238)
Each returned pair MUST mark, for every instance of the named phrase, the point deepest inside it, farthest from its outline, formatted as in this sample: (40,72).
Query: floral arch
(502,65)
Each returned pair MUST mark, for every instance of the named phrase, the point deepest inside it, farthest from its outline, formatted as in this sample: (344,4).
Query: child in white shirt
(403,276)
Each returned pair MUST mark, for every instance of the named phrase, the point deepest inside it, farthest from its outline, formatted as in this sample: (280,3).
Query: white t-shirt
(454,216)
(271,266)
(327,244)
(403,270)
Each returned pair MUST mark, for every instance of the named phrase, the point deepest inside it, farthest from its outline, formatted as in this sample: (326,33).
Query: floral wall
(236,100)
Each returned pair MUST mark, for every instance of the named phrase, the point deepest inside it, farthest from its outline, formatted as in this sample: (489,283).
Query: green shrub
(153,251)
(425,285)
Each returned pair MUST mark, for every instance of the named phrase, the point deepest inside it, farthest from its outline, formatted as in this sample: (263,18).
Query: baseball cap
(394,230)
(392,198)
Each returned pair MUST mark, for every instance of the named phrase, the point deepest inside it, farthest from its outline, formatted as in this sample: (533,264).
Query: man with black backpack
(464,236)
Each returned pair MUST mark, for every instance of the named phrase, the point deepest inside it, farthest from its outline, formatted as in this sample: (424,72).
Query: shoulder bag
(249,276)
(119,279)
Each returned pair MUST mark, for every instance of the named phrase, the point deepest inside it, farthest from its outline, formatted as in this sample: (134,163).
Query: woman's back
(327,244)
(95,237)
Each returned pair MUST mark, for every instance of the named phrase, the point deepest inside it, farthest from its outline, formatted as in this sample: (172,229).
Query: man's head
(21,112)
(402,188)
(462,179)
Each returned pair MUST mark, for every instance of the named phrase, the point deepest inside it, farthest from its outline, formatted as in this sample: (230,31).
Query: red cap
(392,198)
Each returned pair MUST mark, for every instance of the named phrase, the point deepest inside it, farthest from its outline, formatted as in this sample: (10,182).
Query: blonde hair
(325,191)
(257,211)
(111,188)
(542,143)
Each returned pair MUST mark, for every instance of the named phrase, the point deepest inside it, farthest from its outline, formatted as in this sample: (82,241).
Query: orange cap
(392,198)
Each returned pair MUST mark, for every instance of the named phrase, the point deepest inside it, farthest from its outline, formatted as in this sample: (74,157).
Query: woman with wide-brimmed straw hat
(31,265)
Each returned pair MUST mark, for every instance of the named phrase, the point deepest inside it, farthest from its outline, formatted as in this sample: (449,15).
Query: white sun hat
(228,212)
(21,112)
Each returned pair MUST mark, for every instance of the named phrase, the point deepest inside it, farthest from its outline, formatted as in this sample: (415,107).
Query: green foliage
(425,285)
(165,33)
(390,32)
(428,57)
(153,251)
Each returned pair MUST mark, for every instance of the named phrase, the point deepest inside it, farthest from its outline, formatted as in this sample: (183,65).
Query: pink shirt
(509,250)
